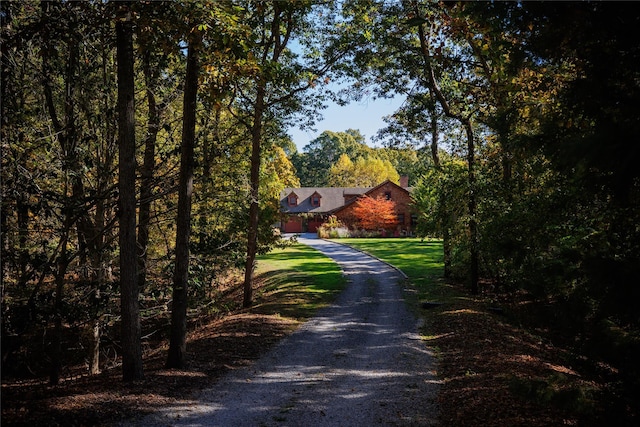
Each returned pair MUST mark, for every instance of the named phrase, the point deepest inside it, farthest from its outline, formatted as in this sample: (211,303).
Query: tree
(210,26)
(341,173)
(320,154)
(216,55)
(408,161)
(278,173)
(65,146)
(439,198)
(72,188)
(456,112)
(408,51)
(587,135)
(156,48)
(365,172)
(130,310)
(375,214)
(275,92)
(372,171)
(220,203)
(177,344)
(274,41)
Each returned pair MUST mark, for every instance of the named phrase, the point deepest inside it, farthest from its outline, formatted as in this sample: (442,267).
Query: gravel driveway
(359,362)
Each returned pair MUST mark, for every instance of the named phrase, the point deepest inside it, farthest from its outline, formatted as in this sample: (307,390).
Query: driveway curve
(359,362)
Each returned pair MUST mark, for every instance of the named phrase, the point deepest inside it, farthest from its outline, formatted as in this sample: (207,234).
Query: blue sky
(365,115)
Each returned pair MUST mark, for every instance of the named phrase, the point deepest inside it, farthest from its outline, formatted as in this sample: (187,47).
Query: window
(315,200)
(401,218)
(293,199)
(387,195)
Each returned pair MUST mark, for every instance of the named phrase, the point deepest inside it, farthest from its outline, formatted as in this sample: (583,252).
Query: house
(306,209)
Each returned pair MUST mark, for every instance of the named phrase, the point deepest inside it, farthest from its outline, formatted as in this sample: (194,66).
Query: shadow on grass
(295,295)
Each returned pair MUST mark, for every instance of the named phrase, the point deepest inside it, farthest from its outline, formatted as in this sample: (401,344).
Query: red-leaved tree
(375,214)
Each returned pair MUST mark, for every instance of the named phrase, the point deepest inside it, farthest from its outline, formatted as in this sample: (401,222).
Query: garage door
(294,225)
(313,226)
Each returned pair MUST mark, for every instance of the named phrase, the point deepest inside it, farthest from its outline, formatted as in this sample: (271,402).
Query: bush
(333,229)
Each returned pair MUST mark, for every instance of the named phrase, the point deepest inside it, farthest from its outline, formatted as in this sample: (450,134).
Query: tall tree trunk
(130,309)
(4,247)
(277,40)
(56,350)
(178,335)
(146,172)
(446,218)
(56,346)
(254,207)
(94,351)
(434,131)
(5,70)
(22,211)
(97,275)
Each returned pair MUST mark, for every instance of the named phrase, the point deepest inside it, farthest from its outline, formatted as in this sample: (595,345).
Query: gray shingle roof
(331,198)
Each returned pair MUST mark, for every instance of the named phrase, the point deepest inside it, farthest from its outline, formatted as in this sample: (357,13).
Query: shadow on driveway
(358,362)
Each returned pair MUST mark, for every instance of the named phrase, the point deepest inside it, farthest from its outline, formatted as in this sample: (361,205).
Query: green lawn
(421,261)
(297,281)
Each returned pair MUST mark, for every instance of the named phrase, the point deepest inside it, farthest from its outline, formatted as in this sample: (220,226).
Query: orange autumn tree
(375,214)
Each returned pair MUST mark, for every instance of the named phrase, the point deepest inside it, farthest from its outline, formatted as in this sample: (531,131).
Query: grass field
(297,281)
(421,261)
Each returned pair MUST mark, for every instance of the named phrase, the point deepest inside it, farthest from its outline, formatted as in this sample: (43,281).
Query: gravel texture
(359,362)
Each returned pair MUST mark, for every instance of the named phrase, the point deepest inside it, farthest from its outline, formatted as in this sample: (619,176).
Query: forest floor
(492,374)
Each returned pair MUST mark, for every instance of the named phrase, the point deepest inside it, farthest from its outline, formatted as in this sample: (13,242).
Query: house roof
(332,198)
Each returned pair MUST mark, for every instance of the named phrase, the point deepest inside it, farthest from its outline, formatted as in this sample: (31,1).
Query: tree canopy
(364,172)
(344,159)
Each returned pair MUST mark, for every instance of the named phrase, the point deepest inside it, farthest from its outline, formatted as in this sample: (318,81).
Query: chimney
(404,181)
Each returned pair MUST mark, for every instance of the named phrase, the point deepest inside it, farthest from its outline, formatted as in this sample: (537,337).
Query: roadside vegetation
(291,284)
(496,365)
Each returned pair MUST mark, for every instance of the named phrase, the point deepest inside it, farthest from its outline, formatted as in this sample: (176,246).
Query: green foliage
(59,155)
(320,154)
(365,172)
(555,128)
(439,197)
(342,159)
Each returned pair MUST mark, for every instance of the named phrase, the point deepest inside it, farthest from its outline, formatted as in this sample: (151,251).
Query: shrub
(333,229)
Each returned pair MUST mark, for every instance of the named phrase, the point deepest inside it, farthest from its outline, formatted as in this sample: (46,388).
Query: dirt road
(359,362)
